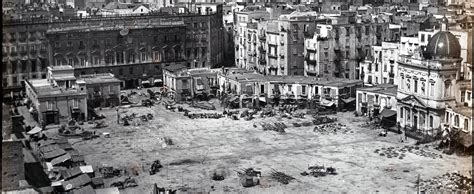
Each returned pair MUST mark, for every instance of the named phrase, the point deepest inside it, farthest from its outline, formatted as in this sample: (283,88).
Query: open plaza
(201,146)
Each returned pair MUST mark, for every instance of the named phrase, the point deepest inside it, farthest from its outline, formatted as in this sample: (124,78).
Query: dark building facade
(133,48)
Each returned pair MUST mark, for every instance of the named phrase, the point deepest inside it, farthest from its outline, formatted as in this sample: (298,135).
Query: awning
(327,103)
(465,139)
(157,81)
(34,130)
(233,98)
(146,82)
(388,113)
(348,100)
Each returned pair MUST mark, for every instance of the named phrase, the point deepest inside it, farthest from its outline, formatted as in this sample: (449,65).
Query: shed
(61,159)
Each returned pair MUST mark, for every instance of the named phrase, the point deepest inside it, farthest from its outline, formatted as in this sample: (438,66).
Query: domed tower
(427,84)
(443,45)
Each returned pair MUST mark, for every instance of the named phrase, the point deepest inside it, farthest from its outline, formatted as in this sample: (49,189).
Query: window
(463,96)
(49,104)
(143,56)
(431,89)
(289,88)
(468,96)
(131,70)
(422,38)
(83,61)
(416,85)
(456,121)
(203,51)
(75,103)
(69,44)
(57,62)
(303,88)
(96,60)
(70,61)
(466,125)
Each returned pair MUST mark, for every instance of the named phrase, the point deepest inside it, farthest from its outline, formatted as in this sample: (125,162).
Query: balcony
(272,56)
(307,34)
(391,74)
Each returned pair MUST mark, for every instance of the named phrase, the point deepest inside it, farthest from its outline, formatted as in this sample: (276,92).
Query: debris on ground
(100,124)
(249,177)
(204,105)
(155,167)
(204,115)
(318,171)
(318,120)
(109,172)
(400,153)
(333,128)
(128,182)
(447,183)
(278,127)
(281,177)
(218,175)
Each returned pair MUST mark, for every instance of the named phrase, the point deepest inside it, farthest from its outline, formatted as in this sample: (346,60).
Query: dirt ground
(232,145)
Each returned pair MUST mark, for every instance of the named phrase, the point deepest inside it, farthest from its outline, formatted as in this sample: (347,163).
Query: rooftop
(44,89)
(99,78)
(463,110)
(388,89)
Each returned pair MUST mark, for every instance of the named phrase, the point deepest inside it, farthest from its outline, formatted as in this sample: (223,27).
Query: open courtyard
(201,146)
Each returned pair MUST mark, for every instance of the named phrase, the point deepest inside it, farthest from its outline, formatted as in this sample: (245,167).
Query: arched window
(466,125)
(431,121)
(447,88)
(401,112)
(456,120)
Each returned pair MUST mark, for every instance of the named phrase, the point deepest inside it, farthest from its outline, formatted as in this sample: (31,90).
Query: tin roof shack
(58,96)
(328,91)
(378,99)
(103,90)
(198,83)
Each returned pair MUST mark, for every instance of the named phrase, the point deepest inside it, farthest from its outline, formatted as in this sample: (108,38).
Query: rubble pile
(319,171)
(333,128)
(278,127)
(128,182)
(249,177)
(204,115)
(447,183)
(323,120)
(281,177)
(304,124)
(392,152)
(204,105)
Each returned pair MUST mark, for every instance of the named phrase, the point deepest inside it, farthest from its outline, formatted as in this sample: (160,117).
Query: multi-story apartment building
(381,68)
(91,45)
(245,23)
(339,48)
(25,54)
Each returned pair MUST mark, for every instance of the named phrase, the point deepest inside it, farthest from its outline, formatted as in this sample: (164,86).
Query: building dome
(443,45)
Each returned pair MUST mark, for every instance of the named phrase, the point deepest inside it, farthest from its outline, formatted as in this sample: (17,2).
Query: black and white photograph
(237,96)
